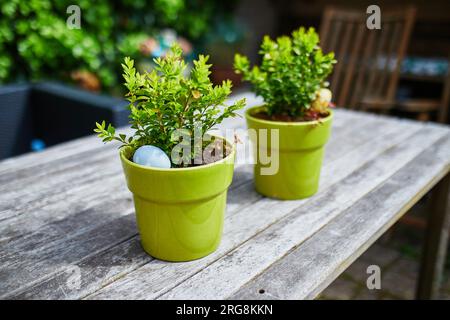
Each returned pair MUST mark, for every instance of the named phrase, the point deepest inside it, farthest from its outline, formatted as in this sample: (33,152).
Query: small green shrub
(166,99)
(291,74)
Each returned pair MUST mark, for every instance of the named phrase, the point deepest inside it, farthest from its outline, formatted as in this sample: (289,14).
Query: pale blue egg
(151,156)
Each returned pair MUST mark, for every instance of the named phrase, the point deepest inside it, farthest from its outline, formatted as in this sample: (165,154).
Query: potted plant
(178,175)
(291,80)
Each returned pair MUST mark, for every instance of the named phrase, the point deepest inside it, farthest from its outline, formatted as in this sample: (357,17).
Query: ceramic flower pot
(300,150)
(179,211)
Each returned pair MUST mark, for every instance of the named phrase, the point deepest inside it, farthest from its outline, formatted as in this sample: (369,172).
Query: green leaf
(169,98)
(291,71)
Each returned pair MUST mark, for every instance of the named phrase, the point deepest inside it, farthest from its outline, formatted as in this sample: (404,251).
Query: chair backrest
(445,99)
(369,60)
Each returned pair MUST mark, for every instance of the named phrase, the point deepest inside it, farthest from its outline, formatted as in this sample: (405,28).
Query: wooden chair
(369,61)
(423,108)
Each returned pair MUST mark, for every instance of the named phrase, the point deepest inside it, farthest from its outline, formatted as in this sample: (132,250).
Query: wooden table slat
(68,207)
(231,198)
(270,245)
(312,266)
(251,220)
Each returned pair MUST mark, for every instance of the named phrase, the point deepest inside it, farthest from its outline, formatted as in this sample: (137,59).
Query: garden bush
(35,42)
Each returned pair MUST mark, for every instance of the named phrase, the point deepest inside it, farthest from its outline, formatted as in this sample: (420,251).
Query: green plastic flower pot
(300,150)
(179,211)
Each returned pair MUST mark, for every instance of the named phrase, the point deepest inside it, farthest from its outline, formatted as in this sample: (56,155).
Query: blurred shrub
(35,42)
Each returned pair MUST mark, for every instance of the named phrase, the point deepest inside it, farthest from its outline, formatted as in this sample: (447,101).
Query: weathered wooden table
(67,225)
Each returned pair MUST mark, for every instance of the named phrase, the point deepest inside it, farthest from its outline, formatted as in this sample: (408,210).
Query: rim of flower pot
(248,115)
(200,167)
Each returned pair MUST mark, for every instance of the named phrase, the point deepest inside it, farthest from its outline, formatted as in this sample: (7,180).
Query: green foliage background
(35,42)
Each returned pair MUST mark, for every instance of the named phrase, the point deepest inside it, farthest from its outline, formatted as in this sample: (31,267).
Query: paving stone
(398,279)
(366,294)
(386,296)
(399,272)
(444,295)
(406,266)
(445,289)
(380,255)
(398,284)
(358,271)
(340,289)
(376,255)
